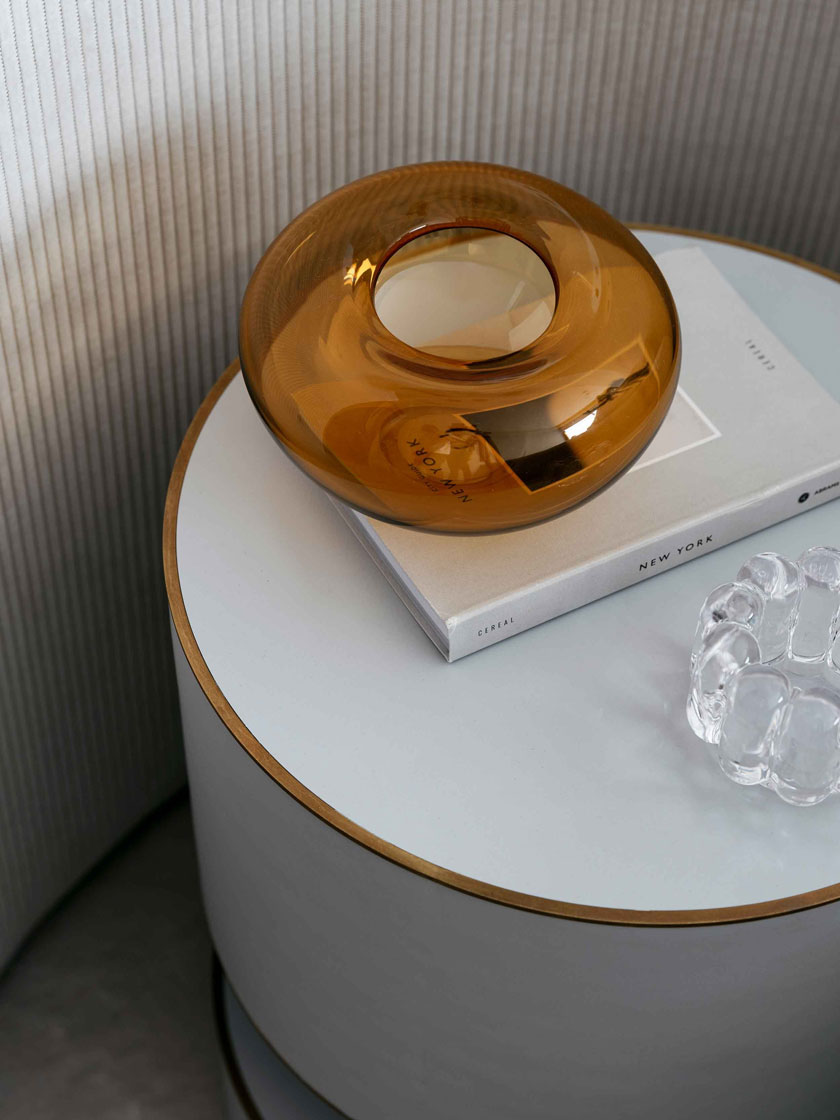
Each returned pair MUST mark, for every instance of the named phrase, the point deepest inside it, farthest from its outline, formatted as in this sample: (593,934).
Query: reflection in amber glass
(459,347)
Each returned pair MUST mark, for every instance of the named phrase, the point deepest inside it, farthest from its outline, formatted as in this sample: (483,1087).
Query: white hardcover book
(749,434)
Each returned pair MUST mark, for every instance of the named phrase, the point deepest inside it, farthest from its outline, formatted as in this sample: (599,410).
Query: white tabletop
(557,763)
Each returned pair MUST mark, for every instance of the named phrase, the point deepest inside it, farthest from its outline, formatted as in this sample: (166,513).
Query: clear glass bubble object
(765,675)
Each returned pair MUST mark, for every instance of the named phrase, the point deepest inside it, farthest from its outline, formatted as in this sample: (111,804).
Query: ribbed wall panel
(149,153)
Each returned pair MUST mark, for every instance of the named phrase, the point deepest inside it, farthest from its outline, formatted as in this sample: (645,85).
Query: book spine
(533,605)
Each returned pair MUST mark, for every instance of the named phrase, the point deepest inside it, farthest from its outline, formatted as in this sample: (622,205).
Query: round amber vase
(450,436)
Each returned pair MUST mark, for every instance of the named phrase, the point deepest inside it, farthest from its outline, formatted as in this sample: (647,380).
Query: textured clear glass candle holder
(765,675)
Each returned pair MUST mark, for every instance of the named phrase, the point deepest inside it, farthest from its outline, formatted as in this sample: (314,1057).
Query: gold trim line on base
(228,1054)
(229,1058)
(385,849)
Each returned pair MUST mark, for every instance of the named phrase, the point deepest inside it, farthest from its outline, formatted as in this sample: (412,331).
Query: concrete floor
(106,1013)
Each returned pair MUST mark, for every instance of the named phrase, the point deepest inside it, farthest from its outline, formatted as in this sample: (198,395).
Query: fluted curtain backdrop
(152,148)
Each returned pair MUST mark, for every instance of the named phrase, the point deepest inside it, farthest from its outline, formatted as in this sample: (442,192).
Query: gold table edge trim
(407,860)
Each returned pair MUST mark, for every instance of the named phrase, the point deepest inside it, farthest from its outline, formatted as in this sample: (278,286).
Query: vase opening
(465,293)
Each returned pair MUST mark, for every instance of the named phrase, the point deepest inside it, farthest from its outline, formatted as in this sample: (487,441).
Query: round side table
(510,888)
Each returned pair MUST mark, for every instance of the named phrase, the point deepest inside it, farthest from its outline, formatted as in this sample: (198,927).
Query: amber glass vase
(459,347)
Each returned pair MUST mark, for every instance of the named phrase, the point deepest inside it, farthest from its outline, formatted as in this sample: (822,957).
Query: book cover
(749,432)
